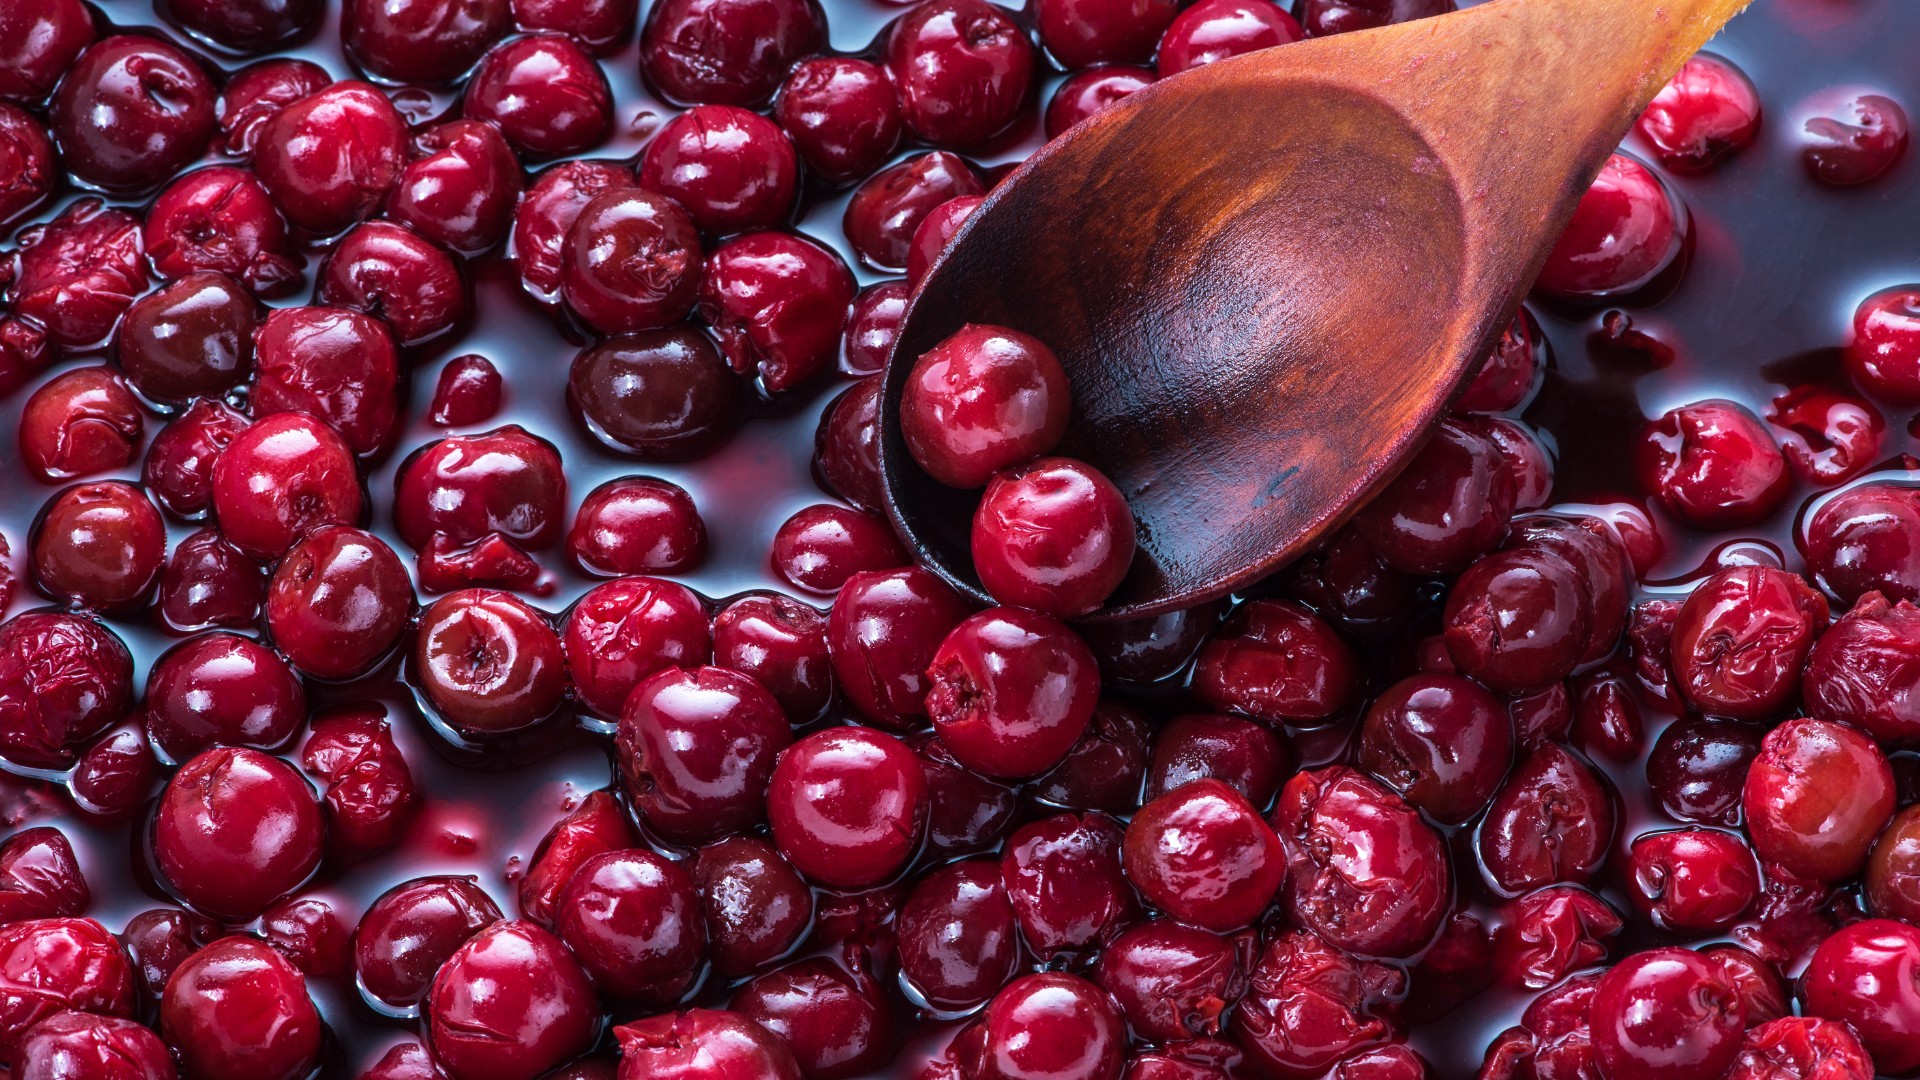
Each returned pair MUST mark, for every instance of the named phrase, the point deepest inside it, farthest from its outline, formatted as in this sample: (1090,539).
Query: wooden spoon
(1268,276)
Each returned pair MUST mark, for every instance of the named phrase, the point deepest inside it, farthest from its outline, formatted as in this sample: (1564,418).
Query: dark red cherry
(1893,869)
(330,158)
(631,262)
(889,206)
(488,662)
(42,40)
(39,877)
(98,546)
(246,25)
(820,547)
(597,25)
(280,478)
(842,115)
(1801,1048)
(848,806)
(621,632)
(776,302)
(1698,767)
(727,53)
(1064,879)
(461,189)
(339,602)
(1202,854)
(27,169)
(63,680)
(1052,1025)
(1248,756)
(1173,982)
(1548,934)
(191,338)
(468,392)
(308,932)
(113,778)
(75,275)
(696,751)
(222,219)
(1321,18)
(1666,1014)
(510,1004)
(132,110)
(546,215)
(88,1047)
(1708,110)
(597,825)
(883,633)
(637,525)
(757,907)
(1742,639)
(1105,769)
(962,69)
(1511,372)
(1217,29)
(1863,977)
(1858,143)
(255,92)
(703,1044)
(235,831)
(872,327)
(1627,229)
(1862,540)
(1884,356)
(781,644)
(1010,691)
(846,446)
(1441,741)
(1309,1005)
(1448,507)
(1552,822)
(370,793)
(1054,535)
(1277,661)
(335,364)
(392,272)
(421,41)
(634,922)
(238,1008)
(411,930)
(1143,651)
(222,688)
(1519,619)
(958,939)
(1713,465)
(179,466)
(1081,33)
(1828,437)
(1087,92)
(661,395)
(831,1016)
(985,399)
(83,422)
(465,487)
(732,169)
(547,96)
(1816,797)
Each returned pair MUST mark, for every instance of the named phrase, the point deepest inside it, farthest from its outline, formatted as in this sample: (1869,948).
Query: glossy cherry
(1816,797)
(421,41)
(1552,822)
(1627,229)
(841,114)
(1278,662)
(820,547)
(131,111)
(958,939)
(757,907)
(962,69)
(732,169)
(889,206)
(509,1004)
(338,602)
(1861,541)
(847,806)
(1666,1014)
(330,158)
(1011,691)
(370,795)
(99,546)
(984,399)
(1858,142)
(637,525)
(1202,854)
(662,395)
(697,749)
(1707,111)
(1053,535)
(77,274)
(621,632)
(63,680)
(1217,29)
(631,262)
(280,478)
(1052,1024)
(597,825)
(235,831)
(777,303)
(83,422)
(547,96)
(42,40)
(1250,757)
(1087,92)
(780,643)
(238,1010)
(703,1044)
(1064,878)
(707,51)
(488,662)
(634,921)
(222,688)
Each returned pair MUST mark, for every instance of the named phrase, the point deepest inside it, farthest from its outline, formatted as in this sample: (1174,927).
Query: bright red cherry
(1011,692)
(883,633)
(391,271)
(1054,535)
(222,688)
(621,632)
(1692,879)
(637,525)
(411,930)
(1713,464)
(460,192)
(1708,110)
(985,399)
(330,158)
(728,53)
(338,602)
(1666,1014)
(1364,871)
(1087,92)
(732,169)
(238,1010)
(510,1004)
(634,921)
(1202,854)
(255,92)
(697,749)
(848,806)
(1884,355)
(99,546)
(547,96)
(1816,797)
(842,115)
(1626,230)
(1052,1025)
(280,478)
(781,644)
(41,42)
(1865,977)
(222,219)
(703,1044)
(1217,29)
(962,68)
(1064,877)
(235,831)
(631,261)
(421,41)
(74,276)
(334,364)
(777,302)
(83,422)
(63,680)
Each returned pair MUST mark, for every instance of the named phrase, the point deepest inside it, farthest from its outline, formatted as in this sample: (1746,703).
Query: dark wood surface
(1267,277)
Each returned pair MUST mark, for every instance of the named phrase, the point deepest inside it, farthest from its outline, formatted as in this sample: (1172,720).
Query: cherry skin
(703,1044)
(1441,741)
(83,422)
(1321,18)
(1884,356)
(1829,437)
(1053,535)
(1713,465)
(846,446)
(27,166)
(1863,977)
(1448,507)
(63,680)
(1146,651)
(1666,1014)
(882,634)
(113,778)
(460,192)
(178,470)
(697,749)
(621,632)
(1548,934)
(88,1047)
(547,96)
(39,877)
(1692,879)
(631,262)
(757,906)
(235,831)
(1217,29)
(280,478)
(338,603)
(1049,1025)
(781,644)
(1861,541)
(222,219)
(1105,769)
(1551,822)
(962,68)
(889,207)
(637,525)
(1741,641)
(958,940)
(193,337)
(936,232)
(634,921)
(1202,854)
(547,213)
(1310,1005)
(776,302)
(370,793)
(238,1010)
(1801,1047)
(1816,797)
(1365,872)
(131,110)
(510,1004)
(1011,692)
(1081,33)
(1064,878)
(488,662)
(1276,661)
(42,42)
(842,115)
(1087,92)
(732,169)
(329,159)
(468,392)
(222,688)
(984,399)
(1626,230)
(1859,144)
(465,487)
(1707,111)
(820,547)
(334,364)
(208,583)
(421,41)
(76,275)
(832,1017)
(709,52)
(847,806)
(661,395)
(596,826)
(1247,756)
(99,546)
(255,92)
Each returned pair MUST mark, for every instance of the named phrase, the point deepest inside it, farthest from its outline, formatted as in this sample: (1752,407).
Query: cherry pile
(454,634)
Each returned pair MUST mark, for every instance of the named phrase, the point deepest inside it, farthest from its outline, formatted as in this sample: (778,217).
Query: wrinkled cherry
(63,680)
(255,92)
(370,793)
(1552,822)
(1441,741)
(1277,661)
(1713,465)
(510,1004)
(488,662)
(83,422)
(1063,876)
(1801,1048)
(1862,540)
(1692,879)
(1550,933)
(842,115)
(631,262)
(546,215)
(179,466)
(777,302)
(329,159)
(131,111)
(832,1017)
(27,170)
(1172,982)
(1309,1005)
(703,1044)
(83,1046)
(1105,769)
(1011,691)
(235,831)
(1518,619)
(75,275)
(711,51)
(334,364)
(1708,110)
(390,271)
(547,96)
(222,219)
(1217,29)
(596,826)
(780,643)
(621,632)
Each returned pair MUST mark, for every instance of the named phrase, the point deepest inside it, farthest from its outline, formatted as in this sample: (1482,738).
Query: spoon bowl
(1267,277)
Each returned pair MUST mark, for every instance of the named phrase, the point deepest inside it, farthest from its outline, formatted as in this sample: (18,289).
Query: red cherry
(1861,142)
(222,219)
(634,922)
(1713,465)
(598,825)
(1064,879)
(1816,798)
(1708,110)
(238,1010)
(1217,29)
(235,831)
(631,262)
(703,1044)
(732,169)
(488,662)
(331,157)
(958,939)
(621,632)
(1011,692)
(962,69)
(697,750)
(883,633)
(1052,1024)
(334,364)
(280,478)
(1087,92)
(547,96)
(131,111)
(460,192)
(1202,854)
(777,303)
(411,930)
(708,51)
(842,115)
(510,1004)
(1666,1014)
(370,793)
(338,602)
(1627,229)
(848,806)
(637,525)
(1278,662)
(421,41)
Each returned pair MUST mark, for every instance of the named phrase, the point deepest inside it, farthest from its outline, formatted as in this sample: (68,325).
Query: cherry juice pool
(1758,310)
